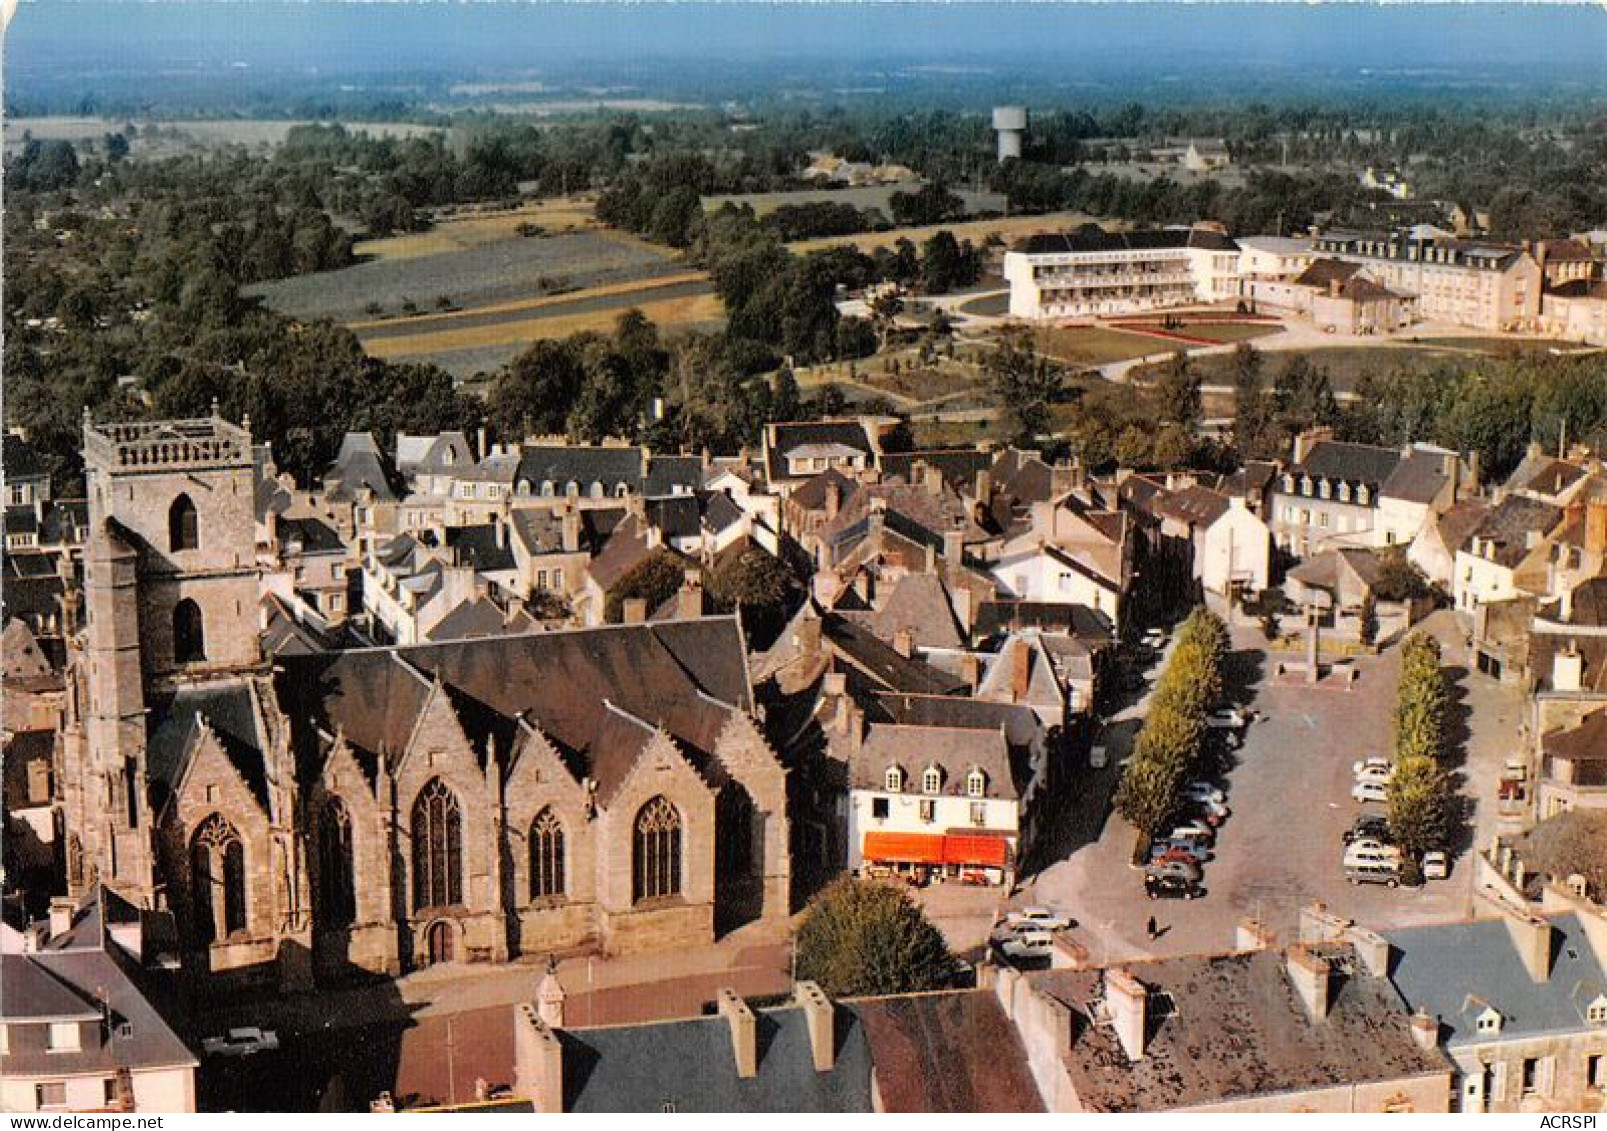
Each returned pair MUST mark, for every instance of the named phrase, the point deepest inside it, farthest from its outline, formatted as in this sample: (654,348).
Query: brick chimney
(1021,672)
(954,546)
(1531,938)
(932,477)
(538,1061)
(571,530)
(1127,999)
(634,610)
(744,1031)
(834,499)
(821,1017)
(1310,971)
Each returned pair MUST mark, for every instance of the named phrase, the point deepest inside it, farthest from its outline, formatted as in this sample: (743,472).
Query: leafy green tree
(1420,814)
(1252,412)
(655,579)
(753,578)
(859,937)
(786,402)
(1025,383)
(1177,392)
(1148,792)
(1368,627)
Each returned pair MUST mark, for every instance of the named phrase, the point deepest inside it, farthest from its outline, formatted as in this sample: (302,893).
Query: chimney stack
(1127,999)
(571,530)
(1310,971)
(1531,937)
(1596,528)
(744,1032)
(550,998)
(538,1061)
(834,499)
(1021,673)
(1425,1030)
(1567,668)
(1253,934)
(933,478)
(954,546)
(634,610)
(984,487)
(904,643)
(61,916)
(821,1017)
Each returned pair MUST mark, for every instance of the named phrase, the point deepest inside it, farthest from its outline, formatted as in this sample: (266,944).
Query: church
(378,810)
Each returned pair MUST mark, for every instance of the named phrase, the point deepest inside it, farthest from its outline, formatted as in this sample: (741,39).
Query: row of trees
(1420,797)
(1169,747)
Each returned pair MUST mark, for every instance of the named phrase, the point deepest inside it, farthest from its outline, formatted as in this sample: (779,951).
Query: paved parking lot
(1290,800)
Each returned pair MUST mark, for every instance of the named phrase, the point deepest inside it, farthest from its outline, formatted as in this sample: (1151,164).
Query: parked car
(1379,774)
(1193,831)
(1371,852)
(241,1042)
(1027,944)
(1212,812)
(1369,791)
(1369,825)
(1186,869)
(1179,850)
(1153,638)
(1387,873)
(1041,917)
(1436,866)
(1171,887)
(1229,718)
(1377,760)
(1203,791)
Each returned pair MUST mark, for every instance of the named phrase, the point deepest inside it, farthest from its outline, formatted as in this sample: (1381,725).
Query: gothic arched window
(217,880)
(183,526)
(546,856)
(189,635)
(657,856)
(437,847)
(337,894)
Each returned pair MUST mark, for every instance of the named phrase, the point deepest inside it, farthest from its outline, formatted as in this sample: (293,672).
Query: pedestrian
(1153,929)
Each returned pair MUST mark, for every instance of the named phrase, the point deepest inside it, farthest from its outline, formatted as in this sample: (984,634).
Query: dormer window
(1489,1021)
(546,488)
(1363,495)
(1305,485)
(894,780)
(976,784)
(932,780)
(1344,492)
(1289,484)
(1596,1011)
(1324,489)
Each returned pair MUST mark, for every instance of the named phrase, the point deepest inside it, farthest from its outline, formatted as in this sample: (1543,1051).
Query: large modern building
(1091,273)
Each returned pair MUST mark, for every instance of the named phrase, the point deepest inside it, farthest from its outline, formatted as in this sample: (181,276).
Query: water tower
(1011,123)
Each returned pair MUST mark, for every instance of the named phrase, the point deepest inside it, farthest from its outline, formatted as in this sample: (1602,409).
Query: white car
(1364,853)
(1229,718)
(1154,638)
(1369,791)
(1194,832)
(1375,762)
(1027,944)
(1203,791)
(1436,866)
(241,1042)
(1041,917)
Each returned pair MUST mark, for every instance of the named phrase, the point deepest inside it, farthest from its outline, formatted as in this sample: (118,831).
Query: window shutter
(1545,1078)
(1498,1080)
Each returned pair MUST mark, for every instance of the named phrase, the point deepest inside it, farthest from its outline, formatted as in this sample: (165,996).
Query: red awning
(981,851)
(904,848)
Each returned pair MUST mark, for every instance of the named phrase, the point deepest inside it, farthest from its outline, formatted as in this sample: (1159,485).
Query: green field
(1093,345)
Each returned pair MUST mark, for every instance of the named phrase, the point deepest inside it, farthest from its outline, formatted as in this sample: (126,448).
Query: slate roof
(584,465)
(432,455)
(1092,238)
(720,511)
(1456,970)
(1544,475)
(956,751)
(471,620)
(688,1066)
(358,466)
(947,1052)
(958,466)
(20,459)
(676,516)
(878,660)
(1457,524)
(227,708)
(811,495)
(783,438)
(918,604)
(1017,722)
(1012,616)
(672,475)
(1353,463)
(69,978)
(625,549)
(687,676)
(1584,742)
(314,535)
(477,546)
(1419,478)
(1323,273)
(1229,1027)
(1509,524)
(1194,506)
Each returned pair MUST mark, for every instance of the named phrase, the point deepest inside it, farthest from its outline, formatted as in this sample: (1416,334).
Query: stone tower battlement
(167,445)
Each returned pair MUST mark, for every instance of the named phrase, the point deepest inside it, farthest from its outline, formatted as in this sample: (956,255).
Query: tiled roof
(1510,523)
(951,1052)
(1585,742)
(919,605)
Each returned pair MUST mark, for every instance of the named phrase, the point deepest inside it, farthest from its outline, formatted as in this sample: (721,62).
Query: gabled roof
(1012,616)
(947,1052)
(781,439)
(359,466)
(1193,506)
(1324,273)
(228,709)
(1353,463)
(1585,742)
(308,536)
(20,459)
(1419,478)
(1509,524)
(433,455)
(958,466)
(485,547)
(878,660)
(811,495)
(672,475)
(919,605)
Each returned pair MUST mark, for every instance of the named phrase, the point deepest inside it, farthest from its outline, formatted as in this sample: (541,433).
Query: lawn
(1498,346)
(503,270)
(1094,345)
(918,382)
(928,434)
(1345,364)
(477,228)
(686,310)
(1223,332)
